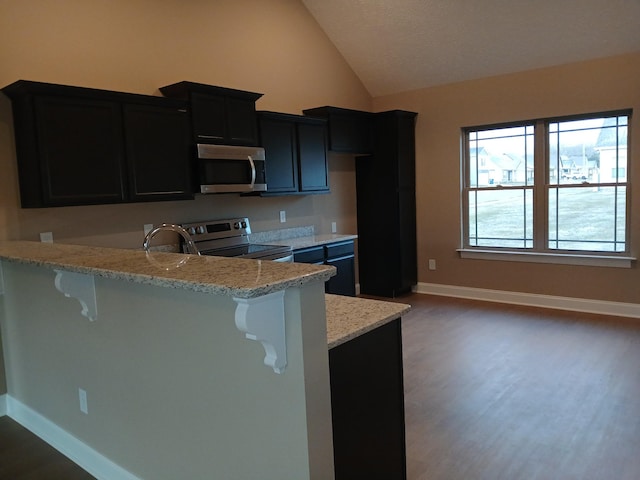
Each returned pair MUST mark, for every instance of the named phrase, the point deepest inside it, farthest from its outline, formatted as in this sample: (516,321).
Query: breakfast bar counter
(166,365)
(351,317)
(240,278)
(239,347)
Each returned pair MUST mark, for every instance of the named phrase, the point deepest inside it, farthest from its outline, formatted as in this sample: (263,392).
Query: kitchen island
(142,366)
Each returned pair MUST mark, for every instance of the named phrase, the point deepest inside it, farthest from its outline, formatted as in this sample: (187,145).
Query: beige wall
(269,46)
(273,47)
(607,84)
(159,360)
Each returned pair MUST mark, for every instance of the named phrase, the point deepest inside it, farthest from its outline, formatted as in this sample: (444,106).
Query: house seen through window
(548,186)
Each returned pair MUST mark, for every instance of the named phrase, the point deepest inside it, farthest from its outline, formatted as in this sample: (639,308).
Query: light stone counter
(298,237)
(240,278)
(298,243)
(350,317)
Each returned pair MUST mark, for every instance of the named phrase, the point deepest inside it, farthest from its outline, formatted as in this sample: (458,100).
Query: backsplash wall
(281,53)
(272,47)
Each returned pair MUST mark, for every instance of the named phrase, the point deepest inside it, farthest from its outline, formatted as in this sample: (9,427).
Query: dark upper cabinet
(312,156)
(350,131)
(158,151)
(79,146)
(279,140)
(219,115)
(295,153)
(77,156)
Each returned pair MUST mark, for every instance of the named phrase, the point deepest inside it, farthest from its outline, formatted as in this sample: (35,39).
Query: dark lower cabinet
(367,402)
(340,255)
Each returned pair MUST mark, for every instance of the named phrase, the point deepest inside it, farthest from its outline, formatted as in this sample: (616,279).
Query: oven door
(224,169)
(279,257)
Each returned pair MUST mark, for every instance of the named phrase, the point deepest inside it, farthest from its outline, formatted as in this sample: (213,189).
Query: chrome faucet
(191,246)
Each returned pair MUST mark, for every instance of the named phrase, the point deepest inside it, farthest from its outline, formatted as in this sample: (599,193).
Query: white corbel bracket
(80,286)
(262,319)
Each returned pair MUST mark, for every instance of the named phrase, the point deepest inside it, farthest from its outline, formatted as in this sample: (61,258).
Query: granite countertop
(298,237)
(350,317)
(298,243)
(242,278)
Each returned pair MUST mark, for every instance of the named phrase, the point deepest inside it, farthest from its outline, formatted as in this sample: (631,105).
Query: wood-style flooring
(23,456)
(503,392)
(492,392)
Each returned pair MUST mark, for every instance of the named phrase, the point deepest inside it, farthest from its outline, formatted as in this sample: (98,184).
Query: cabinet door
(241,121)
(157,145)
(312,148)
(226,120)
(341,256)
(351,132)
(279,141)
(208,117)
(344,282)
(80,150)
(313,255)
(367,404)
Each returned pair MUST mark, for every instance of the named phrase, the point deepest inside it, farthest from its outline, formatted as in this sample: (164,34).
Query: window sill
(554,258)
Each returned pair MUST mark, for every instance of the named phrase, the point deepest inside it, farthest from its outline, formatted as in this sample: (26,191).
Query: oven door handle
(253,171)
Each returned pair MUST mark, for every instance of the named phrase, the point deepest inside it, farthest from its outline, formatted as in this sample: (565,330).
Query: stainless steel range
(230,238)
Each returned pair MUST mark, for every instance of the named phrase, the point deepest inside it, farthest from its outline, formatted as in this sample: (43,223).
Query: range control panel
(217,229)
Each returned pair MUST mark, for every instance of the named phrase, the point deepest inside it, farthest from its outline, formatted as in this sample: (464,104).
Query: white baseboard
(93,462)
(532,300)
(3,405)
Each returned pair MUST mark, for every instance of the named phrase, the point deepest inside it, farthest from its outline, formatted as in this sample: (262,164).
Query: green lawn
(587,219)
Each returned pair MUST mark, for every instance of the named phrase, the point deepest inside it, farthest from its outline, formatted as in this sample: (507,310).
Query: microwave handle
(253,171)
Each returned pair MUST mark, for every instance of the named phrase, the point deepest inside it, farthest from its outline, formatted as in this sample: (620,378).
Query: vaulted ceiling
(401,45)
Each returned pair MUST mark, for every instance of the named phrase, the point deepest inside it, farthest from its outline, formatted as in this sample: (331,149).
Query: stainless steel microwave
(231,169)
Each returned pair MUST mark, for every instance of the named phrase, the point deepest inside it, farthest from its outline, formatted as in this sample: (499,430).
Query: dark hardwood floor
(23,456)
(503,392)
(491,392)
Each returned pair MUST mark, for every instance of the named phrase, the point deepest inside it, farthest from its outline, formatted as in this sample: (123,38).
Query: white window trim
(586,258)
(553,258)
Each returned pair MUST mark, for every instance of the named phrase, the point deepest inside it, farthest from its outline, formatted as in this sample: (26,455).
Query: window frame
(540,251)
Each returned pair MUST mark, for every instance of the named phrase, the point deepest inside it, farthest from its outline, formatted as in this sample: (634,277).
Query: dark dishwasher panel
(338,254)
(341,256)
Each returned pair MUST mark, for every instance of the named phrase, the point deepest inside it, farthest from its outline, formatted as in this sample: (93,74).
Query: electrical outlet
(147,228)
(334,228)
(82,396)
(283,216)
(46,237)
(432,264)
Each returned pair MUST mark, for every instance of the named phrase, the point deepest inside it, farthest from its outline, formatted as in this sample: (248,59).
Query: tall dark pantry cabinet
(386,200)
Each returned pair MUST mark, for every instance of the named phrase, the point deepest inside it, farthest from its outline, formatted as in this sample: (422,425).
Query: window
(551,186)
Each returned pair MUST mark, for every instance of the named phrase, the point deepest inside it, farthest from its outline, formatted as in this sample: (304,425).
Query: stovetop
(230,238)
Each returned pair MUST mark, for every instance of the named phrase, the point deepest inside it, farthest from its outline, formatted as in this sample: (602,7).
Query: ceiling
(400,45)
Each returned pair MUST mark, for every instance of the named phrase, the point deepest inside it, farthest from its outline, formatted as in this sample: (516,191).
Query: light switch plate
(46,237)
